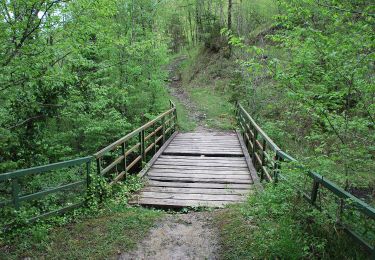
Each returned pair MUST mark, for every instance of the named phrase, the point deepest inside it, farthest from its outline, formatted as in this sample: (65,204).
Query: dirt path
(179,236)
(176,90)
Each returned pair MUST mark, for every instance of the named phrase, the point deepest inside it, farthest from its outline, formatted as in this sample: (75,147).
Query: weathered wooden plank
(187,167)
(194,158)
(250,165)
(200,175)
(205,146)
(199,152)
(177,184)
(223,151)
(197,190)
(202,147)
(208,141)
(207,164)
(198,169)
(190,196)
(211,141)
(194,171)
(179,203)
(157,154)
(210,134)
(192,179)
(233,142)
(201,136)
(202,159)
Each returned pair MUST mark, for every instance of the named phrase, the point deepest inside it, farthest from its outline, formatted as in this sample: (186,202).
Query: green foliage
(185,123)
(75,77)
(277,223)
(104,236)
(217,110)
(117,227)
(314,83)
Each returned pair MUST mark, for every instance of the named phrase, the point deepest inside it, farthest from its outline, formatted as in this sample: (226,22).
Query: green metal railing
(355,216)
(17,199)
(113,162)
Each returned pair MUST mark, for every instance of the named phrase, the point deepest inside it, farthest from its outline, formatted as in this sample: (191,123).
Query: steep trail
(181,235)
(176,89)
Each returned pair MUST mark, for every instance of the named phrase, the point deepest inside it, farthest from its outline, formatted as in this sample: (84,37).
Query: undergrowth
(206,82)
(278,224)
(185,124)
(101,230)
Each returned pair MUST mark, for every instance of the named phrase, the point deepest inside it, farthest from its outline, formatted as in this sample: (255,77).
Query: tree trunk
(230,24)
(230,4)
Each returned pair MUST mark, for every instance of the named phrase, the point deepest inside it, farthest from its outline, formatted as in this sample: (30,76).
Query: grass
(218,110)
(99,231)
(185,123)
(101,237)
(278,224)
(206,81)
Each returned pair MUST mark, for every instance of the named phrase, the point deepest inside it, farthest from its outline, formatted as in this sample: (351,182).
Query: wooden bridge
(199,169)
(188,169)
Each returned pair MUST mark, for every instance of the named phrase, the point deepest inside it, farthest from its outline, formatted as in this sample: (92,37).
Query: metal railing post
(15,193)
(314,191)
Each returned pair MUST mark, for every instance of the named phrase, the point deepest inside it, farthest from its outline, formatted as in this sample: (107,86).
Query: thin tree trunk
(230,4)
(230,23)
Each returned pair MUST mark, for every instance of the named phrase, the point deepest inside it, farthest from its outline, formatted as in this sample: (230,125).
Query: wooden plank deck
(198,169)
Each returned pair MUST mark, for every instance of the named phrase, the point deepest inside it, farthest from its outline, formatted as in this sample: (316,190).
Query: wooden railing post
(276,168)
(263,158)
(155,149)
(99,166)
(142,147)
(15,193)
(247,140)
(163,129)
(123,150)
(88,173)
(175,119)
(254,146)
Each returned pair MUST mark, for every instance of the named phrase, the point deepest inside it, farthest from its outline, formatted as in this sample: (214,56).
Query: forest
(76,75)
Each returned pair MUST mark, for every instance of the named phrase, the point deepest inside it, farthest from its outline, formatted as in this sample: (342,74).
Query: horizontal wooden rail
(267,156)
(127,137)
(148,138)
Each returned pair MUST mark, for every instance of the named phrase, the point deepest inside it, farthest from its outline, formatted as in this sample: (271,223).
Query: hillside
(92,95)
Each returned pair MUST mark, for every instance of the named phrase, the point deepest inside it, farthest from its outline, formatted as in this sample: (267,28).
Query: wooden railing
(133,149)
(114,162)
(356,217)
(263,151)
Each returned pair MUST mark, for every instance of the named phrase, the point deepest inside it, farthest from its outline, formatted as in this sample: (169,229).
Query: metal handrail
(251,135)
